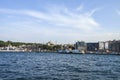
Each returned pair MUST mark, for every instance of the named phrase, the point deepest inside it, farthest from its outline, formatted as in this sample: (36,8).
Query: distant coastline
(79,47)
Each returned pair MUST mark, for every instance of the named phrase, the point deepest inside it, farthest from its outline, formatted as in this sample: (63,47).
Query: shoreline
(61,53)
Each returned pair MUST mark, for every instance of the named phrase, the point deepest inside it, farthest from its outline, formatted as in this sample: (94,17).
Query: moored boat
(71,51)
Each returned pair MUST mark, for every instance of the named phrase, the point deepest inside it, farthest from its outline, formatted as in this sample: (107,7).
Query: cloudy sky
(61,21)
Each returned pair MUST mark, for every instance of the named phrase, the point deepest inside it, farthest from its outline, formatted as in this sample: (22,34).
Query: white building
(80,45)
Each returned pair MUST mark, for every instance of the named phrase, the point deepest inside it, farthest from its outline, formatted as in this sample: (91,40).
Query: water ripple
(54,66)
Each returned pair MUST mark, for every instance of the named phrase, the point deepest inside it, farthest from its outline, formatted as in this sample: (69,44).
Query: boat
(71,51)
(10,48)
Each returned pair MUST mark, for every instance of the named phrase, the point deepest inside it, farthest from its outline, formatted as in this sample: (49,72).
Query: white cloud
(107,36)
(63,17)
(58,23)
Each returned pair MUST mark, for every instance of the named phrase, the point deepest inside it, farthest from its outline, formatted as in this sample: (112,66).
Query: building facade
(115,46)
(92,46)
(80,45)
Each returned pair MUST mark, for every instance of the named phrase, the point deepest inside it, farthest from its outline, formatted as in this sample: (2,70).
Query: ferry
(71,51)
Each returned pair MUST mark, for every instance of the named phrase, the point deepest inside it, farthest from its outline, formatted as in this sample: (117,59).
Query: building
(102,46)
(92,47)
(115,46)
(80,45)
(50,43)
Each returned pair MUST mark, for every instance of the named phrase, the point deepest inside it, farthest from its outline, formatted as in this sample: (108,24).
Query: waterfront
(54,66)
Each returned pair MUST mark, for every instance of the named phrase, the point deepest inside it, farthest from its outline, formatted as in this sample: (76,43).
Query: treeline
(4,44)
(31,45)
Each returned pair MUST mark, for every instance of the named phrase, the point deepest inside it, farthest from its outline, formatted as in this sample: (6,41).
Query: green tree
(2,43)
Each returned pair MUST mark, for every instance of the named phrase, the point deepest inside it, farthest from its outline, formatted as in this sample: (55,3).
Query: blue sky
(61,21)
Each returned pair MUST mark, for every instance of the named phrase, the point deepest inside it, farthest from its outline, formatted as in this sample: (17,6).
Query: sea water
(55,66)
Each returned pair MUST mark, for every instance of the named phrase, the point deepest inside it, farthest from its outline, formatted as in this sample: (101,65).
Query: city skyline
(62,21)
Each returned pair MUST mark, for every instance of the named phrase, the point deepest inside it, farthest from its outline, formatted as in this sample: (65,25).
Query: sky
(60,21)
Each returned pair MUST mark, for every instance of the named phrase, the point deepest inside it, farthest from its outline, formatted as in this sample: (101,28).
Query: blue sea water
(55,66)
